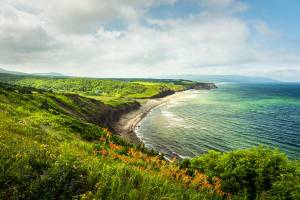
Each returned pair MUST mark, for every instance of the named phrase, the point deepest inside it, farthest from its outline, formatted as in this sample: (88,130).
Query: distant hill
(11,72)
(223,78)
(49,74)
(4,71)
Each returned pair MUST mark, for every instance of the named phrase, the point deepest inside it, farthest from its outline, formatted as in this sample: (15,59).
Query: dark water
(230,117)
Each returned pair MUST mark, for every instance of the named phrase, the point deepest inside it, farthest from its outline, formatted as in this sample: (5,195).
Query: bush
(252,173)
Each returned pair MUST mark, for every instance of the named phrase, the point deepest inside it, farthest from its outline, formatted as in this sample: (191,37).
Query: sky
(148,38)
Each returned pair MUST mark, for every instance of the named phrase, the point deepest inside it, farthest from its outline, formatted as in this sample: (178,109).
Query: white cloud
(84,16)
(22,34)
(69,36)
(143,50)
(264,30)
(223,7)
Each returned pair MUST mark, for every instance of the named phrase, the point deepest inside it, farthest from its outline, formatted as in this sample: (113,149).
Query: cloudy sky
(144,38)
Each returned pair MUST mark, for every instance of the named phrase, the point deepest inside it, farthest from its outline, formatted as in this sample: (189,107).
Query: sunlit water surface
(231,117)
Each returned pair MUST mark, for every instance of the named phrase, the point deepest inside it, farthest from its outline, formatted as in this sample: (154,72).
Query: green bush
(252,172)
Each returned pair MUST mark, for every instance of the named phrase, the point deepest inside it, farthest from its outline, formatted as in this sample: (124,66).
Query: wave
(189,125)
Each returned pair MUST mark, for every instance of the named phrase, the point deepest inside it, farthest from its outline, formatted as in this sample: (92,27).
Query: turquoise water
(230,117)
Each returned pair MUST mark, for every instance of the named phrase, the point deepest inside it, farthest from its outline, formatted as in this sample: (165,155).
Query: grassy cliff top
(114,92)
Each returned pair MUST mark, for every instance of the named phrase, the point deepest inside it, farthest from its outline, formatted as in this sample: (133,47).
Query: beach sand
(125,127)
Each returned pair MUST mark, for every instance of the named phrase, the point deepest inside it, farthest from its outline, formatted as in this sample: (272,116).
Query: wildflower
(115,156)
(199,178)
(206,185)
(217,182)
(102,139)
(103,152)
(114,146)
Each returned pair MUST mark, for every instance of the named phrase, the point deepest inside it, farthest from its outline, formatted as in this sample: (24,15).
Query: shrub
(251,172)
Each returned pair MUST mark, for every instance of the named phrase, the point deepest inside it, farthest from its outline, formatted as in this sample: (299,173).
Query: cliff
(203,86)
(96,112)
(163,93)
(196,86)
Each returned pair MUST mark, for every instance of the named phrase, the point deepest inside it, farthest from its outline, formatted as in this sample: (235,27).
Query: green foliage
(47,151)
(116,92)
(255,173)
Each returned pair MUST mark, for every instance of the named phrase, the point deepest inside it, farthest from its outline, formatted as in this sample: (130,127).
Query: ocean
(234,116)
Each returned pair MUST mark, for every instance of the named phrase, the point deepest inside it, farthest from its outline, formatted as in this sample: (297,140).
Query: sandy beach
(128,122)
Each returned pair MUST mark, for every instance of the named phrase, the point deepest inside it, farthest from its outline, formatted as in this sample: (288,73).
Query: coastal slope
(52,146)
(117,104)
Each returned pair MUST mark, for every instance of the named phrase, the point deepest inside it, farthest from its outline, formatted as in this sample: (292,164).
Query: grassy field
(51,147)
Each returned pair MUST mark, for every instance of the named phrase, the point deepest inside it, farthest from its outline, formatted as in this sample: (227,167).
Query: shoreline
(127,124)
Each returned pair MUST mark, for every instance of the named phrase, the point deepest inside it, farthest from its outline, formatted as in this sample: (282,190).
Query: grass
(115,102)
(57,146)
(116,93)
(47,153)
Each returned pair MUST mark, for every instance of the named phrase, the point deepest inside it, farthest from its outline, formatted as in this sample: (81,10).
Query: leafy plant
(253,173)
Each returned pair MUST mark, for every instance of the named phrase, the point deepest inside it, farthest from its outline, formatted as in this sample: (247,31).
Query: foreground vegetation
(257,173)
(51,148)
(47,153)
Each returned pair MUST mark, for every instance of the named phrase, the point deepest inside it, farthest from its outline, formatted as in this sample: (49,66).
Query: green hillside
(46,153)
(114,92)
(52,146)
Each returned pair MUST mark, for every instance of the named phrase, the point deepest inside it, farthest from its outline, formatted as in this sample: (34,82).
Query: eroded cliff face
(94,111)
(163,93)
(116,113)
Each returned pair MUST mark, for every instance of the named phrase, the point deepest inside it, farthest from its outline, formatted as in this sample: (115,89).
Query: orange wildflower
(114,146)
(103,152)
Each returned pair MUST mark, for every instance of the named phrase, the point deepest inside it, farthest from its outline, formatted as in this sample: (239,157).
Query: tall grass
(45,153)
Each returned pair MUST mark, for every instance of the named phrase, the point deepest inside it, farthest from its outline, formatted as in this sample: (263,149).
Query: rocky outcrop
(203,86)
(116,113)
(163,93)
